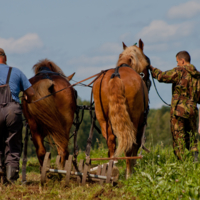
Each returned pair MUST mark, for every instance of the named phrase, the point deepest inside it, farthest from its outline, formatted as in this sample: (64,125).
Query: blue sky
(86,36)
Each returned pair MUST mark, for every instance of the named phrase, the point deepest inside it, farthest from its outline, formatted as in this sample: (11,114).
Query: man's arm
(28,94)
(170,76)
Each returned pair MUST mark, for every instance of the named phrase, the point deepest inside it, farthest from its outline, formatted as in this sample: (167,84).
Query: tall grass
(158,175)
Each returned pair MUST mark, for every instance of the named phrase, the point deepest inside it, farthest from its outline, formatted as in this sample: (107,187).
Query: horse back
(135,90)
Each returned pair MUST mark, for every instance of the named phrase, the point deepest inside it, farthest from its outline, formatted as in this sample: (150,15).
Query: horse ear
(141,44)
(70,77)
(124,46)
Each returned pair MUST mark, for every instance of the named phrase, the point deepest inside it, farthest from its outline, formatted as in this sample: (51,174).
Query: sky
(85,36)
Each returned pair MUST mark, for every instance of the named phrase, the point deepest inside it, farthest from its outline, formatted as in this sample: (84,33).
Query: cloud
(159,31)
(24,44)
(184,11)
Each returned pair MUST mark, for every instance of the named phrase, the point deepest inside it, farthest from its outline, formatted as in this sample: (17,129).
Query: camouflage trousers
(183,133)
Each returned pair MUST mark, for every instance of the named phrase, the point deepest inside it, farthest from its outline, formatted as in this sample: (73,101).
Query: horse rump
(120,119)
(45,112)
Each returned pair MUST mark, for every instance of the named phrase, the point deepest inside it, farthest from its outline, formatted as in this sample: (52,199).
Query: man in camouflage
(185,96)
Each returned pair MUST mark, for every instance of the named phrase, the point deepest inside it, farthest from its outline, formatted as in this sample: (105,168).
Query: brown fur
(51,116)
(46,119)
(119,103)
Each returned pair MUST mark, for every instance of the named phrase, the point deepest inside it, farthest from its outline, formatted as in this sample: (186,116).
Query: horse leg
(111,142)
(37,139)
(63,148)
(63,155)
(109,136)
(130,163)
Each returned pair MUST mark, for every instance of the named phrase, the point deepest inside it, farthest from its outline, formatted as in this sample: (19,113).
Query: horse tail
(120,119)
(46,113)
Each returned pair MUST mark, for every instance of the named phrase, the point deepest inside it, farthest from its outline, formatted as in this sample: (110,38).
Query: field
(157,176)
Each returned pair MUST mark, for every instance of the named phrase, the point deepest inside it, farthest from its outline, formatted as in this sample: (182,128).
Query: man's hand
(28,94)
(150,67)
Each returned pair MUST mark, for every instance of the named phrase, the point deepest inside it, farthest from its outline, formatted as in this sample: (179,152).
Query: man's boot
(196,156)
(12,173)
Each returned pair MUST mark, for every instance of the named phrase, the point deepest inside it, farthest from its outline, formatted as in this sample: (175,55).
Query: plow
(82,171)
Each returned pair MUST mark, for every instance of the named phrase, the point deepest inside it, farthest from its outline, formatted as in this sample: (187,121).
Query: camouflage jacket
(185,89)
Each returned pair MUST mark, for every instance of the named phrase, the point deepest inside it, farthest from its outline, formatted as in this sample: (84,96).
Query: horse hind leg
(109,136)
(63,155)
(111,142)
(130,163)
(39,145)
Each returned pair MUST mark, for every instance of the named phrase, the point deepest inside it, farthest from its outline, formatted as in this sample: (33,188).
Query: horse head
(136,59)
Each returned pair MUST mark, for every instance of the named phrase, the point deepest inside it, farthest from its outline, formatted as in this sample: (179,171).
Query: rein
(157,91)
(69,87)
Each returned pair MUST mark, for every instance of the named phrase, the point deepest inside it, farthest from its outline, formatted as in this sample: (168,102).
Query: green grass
(158,175)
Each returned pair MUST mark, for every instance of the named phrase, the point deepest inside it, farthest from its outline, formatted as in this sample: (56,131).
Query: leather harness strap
(8,77)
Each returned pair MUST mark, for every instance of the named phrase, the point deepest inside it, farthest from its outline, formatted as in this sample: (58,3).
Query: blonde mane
(134,57)
(47,63)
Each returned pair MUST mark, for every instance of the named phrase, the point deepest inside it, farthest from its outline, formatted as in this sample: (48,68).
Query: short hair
(2,52)
(184,55)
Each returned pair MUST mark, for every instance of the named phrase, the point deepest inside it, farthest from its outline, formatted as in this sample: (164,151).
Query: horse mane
(134,57)
(47,63)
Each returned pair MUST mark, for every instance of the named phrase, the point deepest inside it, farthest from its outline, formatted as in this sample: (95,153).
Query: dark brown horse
(51,116)
(121,99)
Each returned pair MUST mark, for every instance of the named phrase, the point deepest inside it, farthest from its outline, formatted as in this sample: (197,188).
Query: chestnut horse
(51,111)
(121,103)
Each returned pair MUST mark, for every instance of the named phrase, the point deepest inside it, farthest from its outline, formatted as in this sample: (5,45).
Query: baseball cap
(2,52)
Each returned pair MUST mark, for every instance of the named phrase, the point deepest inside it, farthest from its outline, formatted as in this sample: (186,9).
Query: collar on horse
(116,73)
(47,73)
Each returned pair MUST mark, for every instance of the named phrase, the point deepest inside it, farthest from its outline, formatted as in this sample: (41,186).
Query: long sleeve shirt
(185,89)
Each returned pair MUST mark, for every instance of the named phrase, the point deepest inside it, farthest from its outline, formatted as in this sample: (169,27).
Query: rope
(66,88)
(157,91)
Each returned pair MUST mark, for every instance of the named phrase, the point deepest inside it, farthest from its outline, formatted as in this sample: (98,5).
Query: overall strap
(8,76)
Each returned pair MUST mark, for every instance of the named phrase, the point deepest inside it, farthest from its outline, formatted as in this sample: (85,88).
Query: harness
(5,93)
(146,111)
(46,72)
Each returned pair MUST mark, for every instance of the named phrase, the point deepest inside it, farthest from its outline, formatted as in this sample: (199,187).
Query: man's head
(3,57)
(183,58)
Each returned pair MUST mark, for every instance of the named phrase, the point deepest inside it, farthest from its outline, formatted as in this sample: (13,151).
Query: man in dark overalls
(185,81)
(12,81)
